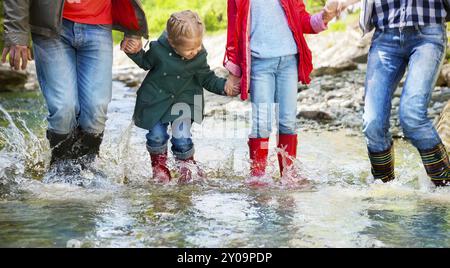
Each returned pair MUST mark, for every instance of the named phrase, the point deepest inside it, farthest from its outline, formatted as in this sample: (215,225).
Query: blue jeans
(182,146)
(273,86)
(75,74)
(419,49)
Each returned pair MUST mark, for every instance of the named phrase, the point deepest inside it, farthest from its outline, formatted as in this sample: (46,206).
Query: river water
(338,206)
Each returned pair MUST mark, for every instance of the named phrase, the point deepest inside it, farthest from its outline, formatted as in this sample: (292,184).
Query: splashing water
(339,206)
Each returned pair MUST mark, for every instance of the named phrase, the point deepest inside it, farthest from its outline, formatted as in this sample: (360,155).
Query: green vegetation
(314,5)
(212,12)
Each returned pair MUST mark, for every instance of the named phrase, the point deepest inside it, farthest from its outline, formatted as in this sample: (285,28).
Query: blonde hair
(184,25)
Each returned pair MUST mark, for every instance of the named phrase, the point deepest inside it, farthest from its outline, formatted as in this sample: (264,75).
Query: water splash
(125,208)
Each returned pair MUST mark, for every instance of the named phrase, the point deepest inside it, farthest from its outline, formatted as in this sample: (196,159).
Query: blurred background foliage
(212,12)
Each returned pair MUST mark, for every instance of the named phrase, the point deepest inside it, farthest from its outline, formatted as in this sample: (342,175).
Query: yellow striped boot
(383,165)
(437,165)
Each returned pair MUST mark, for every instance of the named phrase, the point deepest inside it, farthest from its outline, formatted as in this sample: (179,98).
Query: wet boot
(383,165)
(161,173)
(288,144)
(185,168)
(437,165)
(61,146)
(87,147)
(259,150)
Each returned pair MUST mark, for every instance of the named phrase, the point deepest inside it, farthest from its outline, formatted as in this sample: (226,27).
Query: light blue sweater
(270,35)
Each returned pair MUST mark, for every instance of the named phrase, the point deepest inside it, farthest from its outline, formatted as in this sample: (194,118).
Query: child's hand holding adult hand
(334,8)
(231,89)
(233,85)
(330,10)
(131,45)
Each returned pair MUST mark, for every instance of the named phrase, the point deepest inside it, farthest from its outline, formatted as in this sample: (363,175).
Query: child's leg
(182,145)
(262,92)
(157,139)
(286,98)
(157,147)
(286,95)
(183,148)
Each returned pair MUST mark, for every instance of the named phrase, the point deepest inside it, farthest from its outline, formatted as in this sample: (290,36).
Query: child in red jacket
(267,55)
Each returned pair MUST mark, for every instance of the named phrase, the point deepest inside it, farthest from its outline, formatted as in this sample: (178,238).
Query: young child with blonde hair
(172,92)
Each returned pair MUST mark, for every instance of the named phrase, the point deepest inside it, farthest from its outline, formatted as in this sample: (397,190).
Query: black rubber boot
(87,146)
(61,146)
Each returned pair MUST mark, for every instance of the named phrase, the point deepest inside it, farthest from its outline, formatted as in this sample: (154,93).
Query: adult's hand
(234,80)
(18,56)
(131,45)
(343,4)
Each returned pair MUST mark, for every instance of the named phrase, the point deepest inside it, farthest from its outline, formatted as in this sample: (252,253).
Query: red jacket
(237,56)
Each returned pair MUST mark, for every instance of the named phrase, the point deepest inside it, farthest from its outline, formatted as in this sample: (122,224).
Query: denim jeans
(75,74)
(182,146)
(421,50)
(273,86)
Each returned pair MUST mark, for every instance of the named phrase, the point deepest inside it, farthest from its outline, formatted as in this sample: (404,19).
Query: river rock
(11,80)
(444,77)
(441,95)
(335,69)
(315,115)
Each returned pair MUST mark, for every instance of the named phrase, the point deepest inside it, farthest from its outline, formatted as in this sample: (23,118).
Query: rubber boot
(259,150)
(383,165)
(288,144)
(185,169)
(437,165)
(161,172)
(61,146)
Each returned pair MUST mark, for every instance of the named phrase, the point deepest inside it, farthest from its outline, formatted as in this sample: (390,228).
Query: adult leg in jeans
(57,74)
(427,56)
(94,78)
(386,66)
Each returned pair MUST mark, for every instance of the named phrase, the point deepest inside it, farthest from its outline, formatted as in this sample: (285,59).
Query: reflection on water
(342,208)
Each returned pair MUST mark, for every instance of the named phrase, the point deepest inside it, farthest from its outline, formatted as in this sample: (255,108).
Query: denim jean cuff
(185,155)
(157,150)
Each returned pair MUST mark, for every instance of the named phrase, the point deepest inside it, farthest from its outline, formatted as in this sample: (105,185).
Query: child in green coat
(172,92)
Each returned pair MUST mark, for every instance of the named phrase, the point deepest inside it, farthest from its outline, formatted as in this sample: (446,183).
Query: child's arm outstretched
(317,23)
(211,82)
(133,49)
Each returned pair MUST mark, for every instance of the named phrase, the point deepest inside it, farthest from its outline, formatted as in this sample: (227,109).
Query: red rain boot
(185,170)
(287,143)
(259,149)
(161,173)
